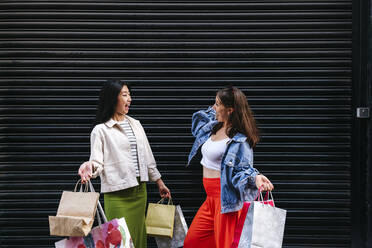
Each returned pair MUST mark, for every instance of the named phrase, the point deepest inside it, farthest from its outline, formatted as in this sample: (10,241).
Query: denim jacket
(237,172)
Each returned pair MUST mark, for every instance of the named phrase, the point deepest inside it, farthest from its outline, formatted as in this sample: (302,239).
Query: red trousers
(209,227)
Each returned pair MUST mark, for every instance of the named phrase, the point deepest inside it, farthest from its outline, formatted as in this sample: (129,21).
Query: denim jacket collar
(240,138)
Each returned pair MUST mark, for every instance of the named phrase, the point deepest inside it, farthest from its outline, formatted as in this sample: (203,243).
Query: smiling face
(222,112)
(124,100)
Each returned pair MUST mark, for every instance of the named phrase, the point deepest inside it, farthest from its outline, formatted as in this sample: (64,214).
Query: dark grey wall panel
(292,59)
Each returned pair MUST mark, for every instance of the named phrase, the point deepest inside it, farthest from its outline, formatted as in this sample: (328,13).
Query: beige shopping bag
(113,233)
(75,214)
(160,219)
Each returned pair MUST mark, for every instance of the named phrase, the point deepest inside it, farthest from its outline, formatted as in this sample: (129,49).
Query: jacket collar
(110,123)
(241,138)
(238,137)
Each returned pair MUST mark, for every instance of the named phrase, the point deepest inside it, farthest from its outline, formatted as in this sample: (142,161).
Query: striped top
(133,143)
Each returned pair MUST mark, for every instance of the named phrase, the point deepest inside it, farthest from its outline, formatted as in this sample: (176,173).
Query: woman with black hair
(122,157)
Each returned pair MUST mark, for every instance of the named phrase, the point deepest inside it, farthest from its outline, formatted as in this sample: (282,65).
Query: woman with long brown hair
(226,134)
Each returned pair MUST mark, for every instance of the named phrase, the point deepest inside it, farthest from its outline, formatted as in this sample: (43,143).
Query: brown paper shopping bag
(75,214)
(113,233)
(160,219)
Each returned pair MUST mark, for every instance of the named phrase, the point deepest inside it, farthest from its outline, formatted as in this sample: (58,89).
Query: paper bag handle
(100,212)
(81,186)
(170,202)
(272,198)
(268,193)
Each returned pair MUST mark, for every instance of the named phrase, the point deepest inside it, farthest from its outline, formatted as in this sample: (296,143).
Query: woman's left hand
(163,190)
(264,183)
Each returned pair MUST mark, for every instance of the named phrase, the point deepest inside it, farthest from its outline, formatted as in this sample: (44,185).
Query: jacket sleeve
(154,174)
(96,152)
(244,180)
(201,118)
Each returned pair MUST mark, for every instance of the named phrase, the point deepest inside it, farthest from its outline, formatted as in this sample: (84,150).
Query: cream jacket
(111,156)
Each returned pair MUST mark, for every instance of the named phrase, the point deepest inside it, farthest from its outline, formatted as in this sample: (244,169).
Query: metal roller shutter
(292,59)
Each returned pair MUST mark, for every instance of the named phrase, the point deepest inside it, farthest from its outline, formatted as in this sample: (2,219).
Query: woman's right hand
(86,171)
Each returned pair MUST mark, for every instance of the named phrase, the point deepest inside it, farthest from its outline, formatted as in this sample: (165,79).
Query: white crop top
(212,152)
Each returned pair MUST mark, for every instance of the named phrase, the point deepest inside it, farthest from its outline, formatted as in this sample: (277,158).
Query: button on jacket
(237,172)
(111,156)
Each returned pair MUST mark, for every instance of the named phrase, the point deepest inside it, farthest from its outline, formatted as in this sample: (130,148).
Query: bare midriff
(209,173)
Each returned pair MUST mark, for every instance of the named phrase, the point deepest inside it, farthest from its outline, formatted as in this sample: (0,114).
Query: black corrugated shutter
(292,59)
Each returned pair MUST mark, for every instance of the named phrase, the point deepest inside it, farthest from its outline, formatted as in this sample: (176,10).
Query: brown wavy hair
(241,120)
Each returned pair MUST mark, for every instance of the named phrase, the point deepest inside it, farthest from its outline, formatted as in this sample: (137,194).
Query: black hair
(108,99)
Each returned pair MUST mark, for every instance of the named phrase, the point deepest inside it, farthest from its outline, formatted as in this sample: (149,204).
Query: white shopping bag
(263,226)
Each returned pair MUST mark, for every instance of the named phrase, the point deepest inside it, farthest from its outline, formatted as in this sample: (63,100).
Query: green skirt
(131,204)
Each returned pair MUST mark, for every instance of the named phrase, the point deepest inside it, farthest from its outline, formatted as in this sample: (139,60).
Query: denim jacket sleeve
(244,178)
(201,118)
(96,152)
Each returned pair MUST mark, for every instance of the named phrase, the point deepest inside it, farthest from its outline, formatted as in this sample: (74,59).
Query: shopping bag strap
(258,194)
(272,198)
(100,212)
(267,196)
(81,187)
(170,201)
